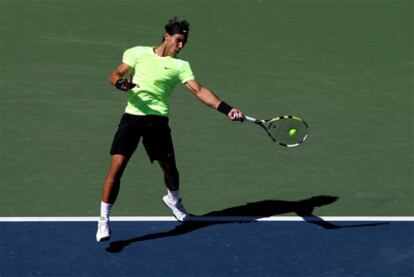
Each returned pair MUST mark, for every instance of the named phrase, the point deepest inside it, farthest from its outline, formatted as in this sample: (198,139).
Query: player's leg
(171,175)
(110,192)
(124,144)
(171,179)
(113,179)
(159,146)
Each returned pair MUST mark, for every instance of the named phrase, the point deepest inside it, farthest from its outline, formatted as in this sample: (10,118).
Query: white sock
(105,210)
(174,196)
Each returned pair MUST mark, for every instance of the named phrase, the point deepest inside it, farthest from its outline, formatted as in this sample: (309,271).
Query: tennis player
(155,71)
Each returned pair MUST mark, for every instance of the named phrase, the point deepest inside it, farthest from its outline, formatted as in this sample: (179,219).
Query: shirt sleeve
(130,56)
(186,74)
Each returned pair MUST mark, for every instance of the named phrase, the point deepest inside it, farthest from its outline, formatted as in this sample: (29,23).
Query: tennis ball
(292,132)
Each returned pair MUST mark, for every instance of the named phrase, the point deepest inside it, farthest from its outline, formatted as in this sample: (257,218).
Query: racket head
(287,130)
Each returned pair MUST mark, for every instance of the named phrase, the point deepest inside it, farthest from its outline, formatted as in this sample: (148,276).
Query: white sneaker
(104,230)
(177,208)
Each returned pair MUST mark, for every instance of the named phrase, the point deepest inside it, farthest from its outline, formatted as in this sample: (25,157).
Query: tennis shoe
(104,230)
(177,208)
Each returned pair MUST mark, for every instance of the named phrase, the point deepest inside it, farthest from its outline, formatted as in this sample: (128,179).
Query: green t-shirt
(156,77)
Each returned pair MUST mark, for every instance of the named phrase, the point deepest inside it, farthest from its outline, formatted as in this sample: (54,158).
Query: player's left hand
(125,84)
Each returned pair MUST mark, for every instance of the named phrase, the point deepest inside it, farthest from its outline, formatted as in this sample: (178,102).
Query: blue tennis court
(265,248)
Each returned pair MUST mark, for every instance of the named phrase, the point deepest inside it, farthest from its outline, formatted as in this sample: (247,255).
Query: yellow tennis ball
(292,132)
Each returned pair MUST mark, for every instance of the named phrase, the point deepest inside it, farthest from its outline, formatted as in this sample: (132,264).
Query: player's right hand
(235,115)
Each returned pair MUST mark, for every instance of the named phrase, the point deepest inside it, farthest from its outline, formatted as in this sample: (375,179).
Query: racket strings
(279,130)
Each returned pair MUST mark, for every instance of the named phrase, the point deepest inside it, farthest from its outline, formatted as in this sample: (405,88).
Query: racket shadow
(247,213)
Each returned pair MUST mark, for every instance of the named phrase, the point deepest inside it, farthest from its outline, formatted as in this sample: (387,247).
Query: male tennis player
(155,73)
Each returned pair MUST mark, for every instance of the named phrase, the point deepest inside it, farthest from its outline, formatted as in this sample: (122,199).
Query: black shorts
(155,133)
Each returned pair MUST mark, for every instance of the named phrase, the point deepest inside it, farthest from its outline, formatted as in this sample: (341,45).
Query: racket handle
(250,119)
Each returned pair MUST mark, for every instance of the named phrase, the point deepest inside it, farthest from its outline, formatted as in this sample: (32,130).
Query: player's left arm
(115,78)
(209,98)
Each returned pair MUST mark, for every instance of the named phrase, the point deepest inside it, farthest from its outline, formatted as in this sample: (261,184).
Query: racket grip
(250,119)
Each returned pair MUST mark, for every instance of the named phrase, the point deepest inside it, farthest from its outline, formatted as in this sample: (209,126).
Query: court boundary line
(208,218)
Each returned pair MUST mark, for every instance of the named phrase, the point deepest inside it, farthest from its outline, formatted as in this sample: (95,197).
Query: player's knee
(118,165)
(119,161)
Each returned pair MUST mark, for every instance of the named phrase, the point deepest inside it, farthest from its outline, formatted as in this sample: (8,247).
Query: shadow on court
(247,213)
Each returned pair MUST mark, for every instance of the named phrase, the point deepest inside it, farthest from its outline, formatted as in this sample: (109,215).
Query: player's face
(174,44)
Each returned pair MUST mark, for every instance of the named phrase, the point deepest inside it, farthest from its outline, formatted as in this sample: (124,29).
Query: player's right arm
(209,98)
(115,78)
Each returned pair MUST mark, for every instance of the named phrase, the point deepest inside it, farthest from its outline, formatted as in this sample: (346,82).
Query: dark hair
(177,27)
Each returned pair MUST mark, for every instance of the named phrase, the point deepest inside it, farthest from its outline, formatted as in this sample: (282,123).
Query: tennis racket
(285,130)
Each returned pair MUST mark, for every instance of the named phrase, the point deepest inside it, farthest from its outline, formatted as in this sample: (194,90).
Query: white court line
(207,218)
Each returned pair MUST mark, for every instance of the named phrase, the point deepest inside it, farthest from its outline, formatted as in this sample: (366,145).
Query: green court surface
(344,66)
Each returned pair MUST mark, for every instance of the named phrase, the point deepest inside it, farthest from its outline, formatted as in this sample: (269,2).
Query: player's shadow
(245,214)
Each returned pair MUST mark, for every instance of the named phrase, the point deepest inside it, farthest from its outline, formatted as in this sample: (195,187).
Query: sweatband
(224,108)
(176,29)
(123,84)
